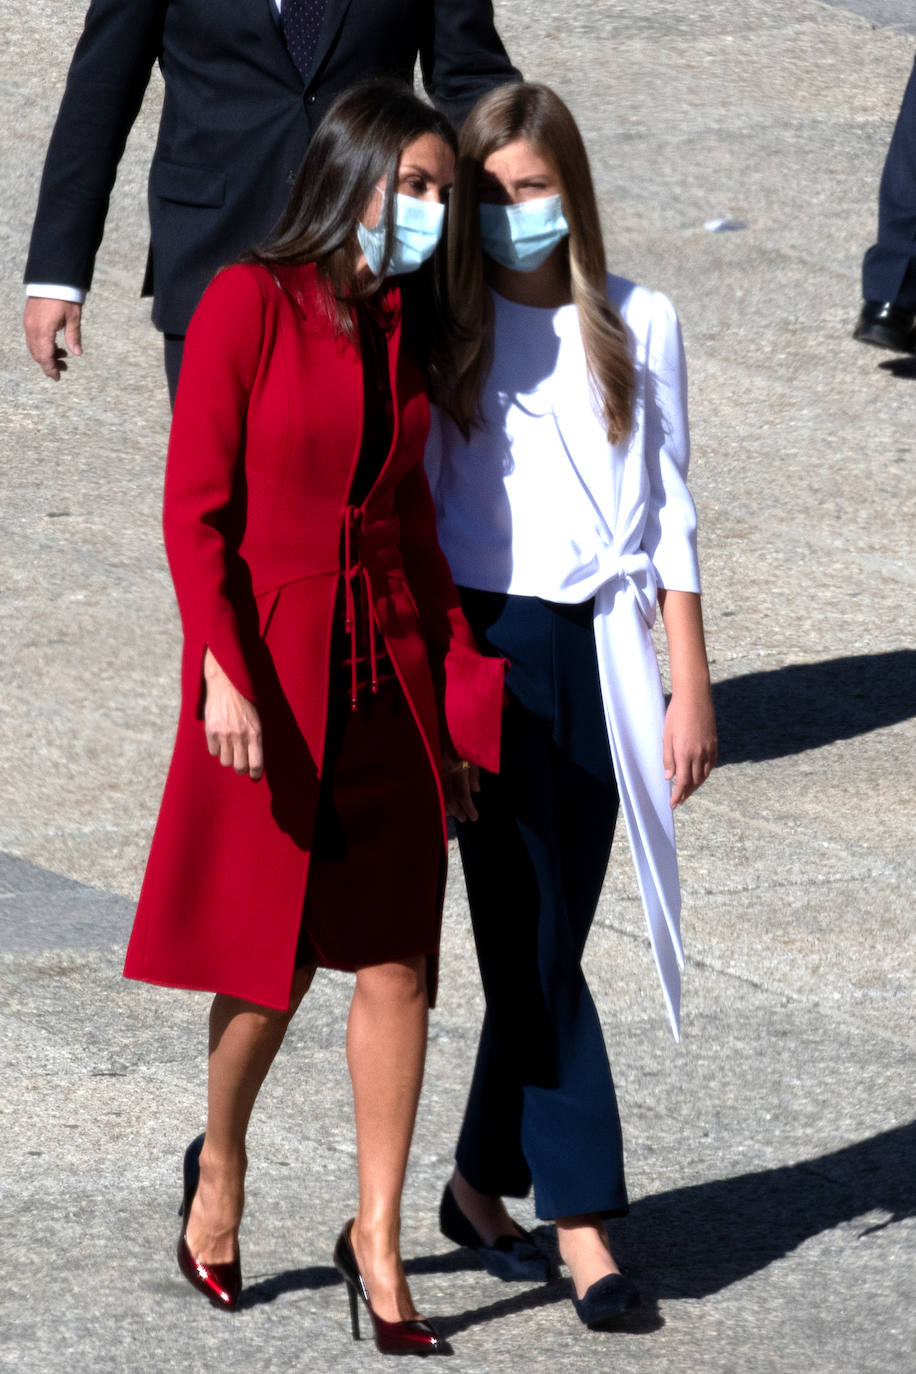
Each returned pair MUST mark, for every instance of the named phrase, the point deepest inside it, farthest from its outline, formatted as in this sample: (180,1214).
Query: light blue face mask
(523,236)
(417,231)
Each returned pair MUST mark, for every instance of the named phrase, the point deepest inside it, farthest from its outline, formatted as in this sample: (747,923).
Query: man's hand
(42,320)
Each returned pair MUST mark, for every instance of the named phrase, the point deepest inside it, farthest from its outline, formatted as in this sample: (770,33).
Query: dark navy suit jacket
(235,125)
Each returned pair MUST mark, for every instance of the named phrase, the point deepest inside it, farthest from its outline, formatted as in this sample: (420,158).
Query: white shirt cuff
(55,293)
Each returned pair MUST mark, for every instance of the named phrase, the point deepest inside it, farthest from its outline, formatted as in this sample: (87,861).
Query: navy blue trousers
(889,268)
(542,1108)
(173,345)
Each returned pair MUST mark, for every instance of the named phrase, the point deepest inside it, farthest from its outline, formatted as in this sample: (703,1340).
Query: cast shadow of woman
(726,1230)
(783,711)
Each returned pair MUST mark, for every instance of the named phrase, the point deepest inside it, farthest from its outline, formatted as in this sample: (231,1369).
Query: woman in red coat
(326,667)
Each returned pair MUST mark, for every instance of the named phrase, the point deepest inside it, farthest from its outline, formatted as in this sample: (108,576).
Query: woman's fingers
(459,781)
(232,724)
(241,750)
(689,748)
(668,754)
(465,800)
(240,754)
(691,767)
(679,791)
(255,758)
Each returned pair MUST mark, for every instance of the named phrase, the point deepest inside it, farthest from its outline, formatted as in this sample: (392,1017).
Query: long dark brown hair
(535,113)
(358,145)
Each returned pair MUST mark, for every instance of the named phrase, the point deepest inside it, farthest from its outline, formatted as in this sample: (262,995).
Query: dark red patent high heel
(221,1283)
(392,1338)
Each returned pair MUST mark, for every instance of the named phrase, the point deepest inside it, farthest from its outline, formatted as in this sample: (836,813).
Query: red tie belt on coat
(357,601)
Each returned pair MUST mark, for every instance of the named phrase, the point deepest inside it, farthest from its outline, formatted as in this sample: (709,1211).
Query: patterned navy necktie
(300,21)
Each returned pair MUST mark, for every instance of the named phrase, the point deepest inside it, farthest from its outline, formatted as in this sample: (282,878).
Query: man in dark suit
(246,83)
(888,317)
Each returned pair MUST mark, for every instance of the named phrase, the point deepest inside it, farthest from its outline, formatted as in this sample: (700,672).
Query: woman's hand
(231,723)
(459,780)
(690,747)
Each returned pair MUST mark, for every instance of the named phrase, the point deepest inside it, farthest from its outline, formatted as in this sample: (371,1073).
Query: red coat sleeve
(469,685)
(221,356)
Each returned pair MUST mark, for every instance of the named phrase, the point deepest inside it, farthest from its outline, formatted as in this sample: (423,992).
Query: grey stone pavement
(771,1155)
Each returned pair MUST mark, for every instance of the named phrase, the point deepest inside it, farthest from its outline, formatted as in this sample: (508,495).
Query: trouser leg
(174,352)
(542,1103)
(889,268)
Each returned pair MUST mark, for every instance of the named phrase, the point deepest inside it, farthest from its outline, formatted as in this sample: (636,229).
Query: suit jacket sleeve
(462,56)
(469,686)
(201,519)
(108,76)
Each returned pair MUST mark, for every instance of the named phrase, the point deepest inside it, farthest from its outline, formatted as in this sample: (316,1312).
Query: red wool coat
(265,439)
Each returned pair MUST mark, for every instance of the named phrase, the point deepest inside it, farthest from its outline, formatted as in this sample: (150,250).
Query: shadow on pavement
(899,367)
(692,1242)
(768,715)
(640,1322)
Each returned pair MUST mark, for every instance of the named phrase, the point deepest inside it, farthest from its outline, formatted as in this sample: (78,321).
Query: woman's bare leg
(386,1049)
(244,1040)
(585,1251)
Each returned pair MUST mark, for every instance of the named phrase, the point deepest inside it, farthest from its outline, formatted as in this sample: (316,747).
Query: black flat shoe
(607,1299)
(515,1258)
(221,1283)
(415,1337)
(887,325)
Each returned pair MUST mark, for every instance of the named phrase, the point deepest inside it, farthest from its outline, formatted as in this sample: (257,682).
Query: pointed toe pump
(221,1283)
(391,1338)
(606,1300)
(514,1258)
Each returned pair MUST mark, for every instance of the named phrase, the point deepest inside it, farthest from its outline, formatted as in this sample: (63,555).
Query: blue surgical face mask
(522,236)
(417,231)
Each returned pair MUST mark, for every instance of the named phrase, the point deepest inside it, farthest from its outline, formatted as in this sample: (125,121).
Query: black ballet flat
(513,1258)
(606,1300)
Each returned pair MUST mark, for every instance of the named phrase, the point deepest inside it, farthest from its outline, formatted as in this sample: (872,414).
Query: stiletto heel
(415,1337)
(354,1312)
(221,1283)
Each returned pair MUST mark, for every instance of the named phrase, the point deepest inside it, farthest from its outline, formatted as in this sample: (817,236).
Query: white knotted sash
(634,708)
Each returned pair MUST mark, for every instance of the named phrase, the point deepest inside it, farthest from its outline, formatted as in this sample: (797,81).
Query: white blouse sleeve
(670,532)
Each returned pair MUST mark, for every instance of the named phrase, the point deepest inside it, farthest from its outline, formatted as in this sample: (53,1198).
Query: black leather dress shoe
(515,1258)
(606,1300)
(887,325)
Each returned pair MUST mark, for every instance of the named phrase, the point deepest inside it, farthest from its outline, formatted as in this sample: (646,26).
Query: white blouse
(538,503)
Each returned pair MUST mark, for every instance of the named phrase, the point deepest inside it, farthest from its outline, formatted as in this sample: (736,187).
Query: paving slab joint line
(694,961)
(817,880)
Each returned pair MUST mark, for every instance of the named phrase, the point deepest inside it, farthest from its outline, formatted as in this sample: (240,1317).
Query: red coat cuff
(474,686)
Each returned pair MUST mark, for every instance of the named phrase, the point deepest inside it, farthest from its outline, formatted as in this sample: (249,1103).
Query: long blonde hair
(535,113)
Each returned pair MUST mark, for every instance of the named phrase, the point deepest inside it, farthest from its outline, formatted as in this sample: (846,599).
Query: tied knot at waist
(366,544)
(637,572)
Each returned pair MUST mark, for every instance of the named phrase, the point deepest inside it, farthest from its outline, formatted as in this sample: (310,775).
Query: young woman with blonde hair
(558,472)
